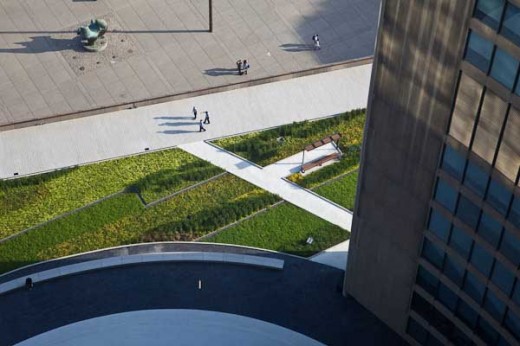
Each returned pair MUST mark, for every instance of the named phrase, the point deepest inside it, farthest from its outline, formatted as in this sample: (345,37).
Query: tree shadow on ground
(42,44)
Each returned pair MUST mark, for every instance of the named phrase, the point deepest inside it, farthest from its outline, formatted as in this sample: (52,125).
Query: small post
(210,15)
(303,160)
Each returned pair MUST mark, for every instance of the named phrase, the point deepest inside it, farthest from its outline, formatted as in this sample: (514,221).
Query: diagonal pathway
(292,193)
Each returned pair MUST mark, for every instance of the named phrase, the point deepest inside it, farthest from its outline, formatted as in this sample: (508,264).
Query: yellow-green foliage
(28,201)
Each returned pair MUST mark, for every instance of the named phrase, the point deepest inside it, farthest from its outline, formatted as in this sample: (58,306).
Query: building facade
(435,246)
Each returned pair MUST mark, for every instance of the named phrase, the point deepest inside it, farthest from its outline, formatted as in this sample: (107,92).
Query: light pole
(210,15)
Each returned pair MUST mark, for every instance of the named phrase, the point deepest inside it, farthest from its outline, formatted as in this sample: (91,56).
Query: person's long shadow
(174,132)
(173,118)
(296,47)
(41,44)
(219,71)
(180,123)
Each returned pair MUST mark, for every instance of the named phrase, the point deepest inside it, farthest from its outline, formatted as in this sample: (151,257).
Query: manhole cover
(82,68)
(113,56)
(122,40)
(97,62)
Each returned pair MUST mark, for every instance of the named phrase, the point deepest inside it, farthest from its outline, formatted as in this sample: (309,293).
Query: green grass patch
(284,228)
(123,220)
(264,147)
(26,202)
(341,191)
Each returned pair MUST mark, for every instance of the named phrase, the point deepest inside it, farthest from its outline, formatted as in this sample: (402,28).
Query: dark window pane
(498,196)
(474,288)
(447,297)
(481,259)
(502,341)
(514,214)
(427,280)
(502,277)
(479,51)
(421,306)
(511,24)
(504,68)
(461,242)
(468,212)
(439,225)
(476,179)
(510,247)
(489,229)
(432,341)
(454,271)
(516,293)
(417,331)
(486,331)
(433,254)
(453,162)
(494,306)
(489,12)
(446,195)
(466,314)
(512,323)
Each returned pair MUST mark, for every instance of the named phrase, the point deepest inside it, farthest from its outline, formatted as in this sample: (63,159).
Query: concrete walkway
(335,256)
(292,193)
(67,143)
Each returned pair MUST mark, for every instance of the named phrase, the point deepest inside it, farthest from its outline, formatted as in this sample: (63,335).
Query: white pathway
(79,141)
(292,193)
(335,256)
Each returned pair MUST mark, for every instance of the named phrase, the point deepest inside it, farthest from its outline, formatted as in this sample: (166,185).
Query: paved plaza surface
(100,137)
(162,47)
(304,297)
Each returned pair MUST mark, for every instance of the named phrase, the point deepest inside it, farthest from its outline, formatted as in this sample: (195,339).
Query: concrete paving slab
(43,34)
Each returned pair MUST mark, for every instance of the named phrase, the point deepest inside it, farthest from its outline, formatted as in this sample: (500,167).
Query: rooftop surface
(162,47)
(303,297)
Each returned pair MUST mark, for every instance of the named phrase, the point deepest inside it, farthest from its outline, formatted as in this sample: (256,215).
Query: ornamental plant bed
(266,147)
(341,191)
(26,202)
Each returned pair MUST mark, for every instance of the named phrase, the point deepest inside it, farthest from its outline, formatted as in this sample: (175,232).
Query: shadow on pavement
(41,44)
(297,47)
(218,71)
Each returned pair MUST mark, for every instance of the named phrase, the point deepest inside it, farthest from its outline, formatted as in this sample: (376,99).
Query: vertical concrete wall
(414,79)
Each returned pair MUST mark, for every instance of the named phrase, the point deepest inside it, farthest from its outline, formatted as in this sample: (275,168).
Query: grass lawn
(25,202)
(123,220)
(341,191)
(264,147)
(284,228)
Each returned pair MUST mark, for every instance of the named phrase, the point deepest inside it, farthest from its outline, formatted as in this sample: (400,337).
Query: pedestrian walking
(239,67)
(29,283)
(194,110)
(201,128)
(245,66)
(316,40)
(206,118)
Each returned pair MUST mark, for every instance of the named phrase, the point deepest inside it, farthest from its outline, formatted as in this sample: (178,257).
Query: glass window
(461,242)
(489,229)
(453,162)
(421,306)
(502,277)
(454,271)
(446,195)
(468,212)
(433,254)
(476,179)
(512,323)
(489,12)
(511,24)
(494,306)
(481,259)
(439,225)
(479,51)
(427,280)
(447,297)
(498,196)
(417,331)
(466,314)
(516,293)
(474,288)
(486,332)
(510,247)
(504,68)
(514,214)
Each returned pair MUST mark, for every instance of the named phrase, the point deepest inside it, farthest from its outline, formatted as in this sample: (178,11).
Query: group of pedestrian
(206,119)
(242,66)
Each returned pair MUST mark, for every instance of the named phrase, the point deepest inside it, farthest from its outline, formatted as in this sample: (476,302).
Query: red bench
(319,162)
